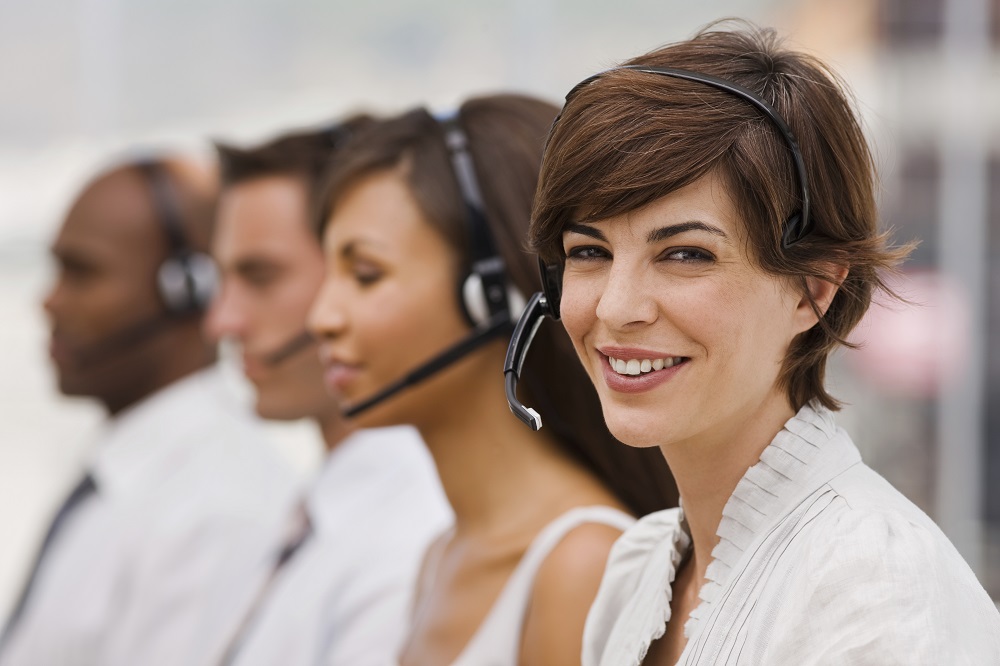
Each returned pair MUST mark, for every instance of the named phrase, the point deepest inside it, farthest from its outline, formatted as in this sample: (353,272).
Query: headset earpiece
(476,298)
(186,280)
(551,286)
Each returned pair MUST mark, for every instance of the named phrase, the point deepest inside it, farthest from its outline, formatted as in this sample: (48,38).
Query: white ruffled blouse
(820,561)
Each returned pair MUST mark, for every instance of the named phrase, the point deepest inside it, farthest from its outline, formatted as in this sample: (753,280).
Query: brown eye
(366,274)
(587,253)
(689,255)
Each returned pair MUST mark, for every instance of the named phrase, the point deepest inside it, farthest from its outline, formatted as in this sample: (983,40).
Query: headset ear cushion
(473,300)
(474,304)
(551,286)
(204,280)
(516,302)
(187,282)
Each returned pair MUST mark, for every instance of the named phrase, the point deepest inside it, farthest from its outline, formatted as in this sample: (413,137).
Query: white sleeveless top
(497,641)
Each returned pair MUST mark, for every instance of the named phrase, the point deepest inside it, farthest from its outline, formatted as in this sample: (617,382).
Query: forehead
(270,212)
(380,210)
(113,218)
(707,200)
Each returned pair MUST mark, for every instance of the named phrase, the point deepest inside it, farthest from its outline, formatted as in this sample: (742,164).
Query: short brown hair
(303,154)
(629,138)
(506,134)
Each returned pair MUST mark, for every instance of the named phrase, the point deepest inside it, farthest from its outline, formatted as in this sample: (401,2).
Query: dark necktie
(297,534)
(82,491)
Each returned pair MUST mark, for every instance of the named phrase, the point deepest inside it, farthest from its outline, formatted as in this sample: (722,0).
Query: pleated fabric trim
(764,494)
(656,545)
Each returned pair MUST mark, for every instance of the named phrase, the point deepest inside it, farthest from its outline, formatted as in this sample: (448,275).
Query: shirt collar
(151,439)
(359,472)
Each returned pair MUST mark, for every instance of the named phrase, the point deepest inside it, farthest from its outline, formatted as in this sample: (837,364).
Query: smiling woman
(710,206)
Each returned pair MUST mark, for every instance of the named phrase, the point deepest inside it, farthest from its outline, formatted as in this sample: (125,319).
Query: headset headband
(486,288)
(481,244)
(797,226)
(165,207)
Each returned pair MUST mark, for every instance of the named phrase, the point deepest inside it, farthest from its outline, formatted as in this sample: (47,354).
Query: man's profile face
(272,267)
(107,253)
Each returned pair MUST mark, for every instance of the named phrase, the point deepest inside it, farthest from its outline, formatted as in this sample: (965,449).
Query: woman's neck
(496,472)
(708,468)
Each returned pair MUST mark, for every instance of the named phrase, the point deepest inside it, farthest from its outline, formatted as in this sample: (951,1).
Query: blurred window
(992,481)
(907,23)
(912,208)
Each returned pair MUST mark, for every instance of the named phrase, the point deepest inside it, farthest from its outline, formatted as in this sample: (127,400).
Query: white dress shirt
(185,484)
(820,561)
(344,597)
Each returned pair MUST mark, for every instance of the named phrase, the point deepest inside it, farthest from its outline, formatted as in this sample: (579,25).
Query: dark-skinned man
(181,482)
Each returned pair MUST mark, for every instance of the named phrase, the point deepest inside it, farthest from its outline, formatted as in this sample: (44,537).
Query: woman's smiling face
(681,333)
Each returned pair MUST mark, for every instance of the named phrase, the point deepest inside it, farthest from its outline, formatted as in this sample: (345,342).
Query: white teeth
(636,366)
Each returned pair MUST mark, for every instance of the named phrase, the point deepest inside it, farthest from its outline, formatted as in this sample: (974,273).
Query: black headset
(187,279)
(487,297)
(485,292)
(546,303)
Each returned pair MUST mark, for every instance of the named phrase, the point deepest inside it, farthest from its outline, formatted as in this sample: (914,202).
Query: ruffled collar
(633,605)
(804,455)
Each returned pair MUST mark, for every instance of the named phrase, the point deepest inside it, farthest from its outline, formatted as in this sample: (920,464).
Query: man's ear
(818,296)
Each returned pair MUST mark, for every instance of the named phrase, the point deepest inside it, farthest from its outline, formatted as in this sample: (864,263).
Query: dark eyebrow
(655,235)
(350,249)
(586,230)
(662,233)
(249,265)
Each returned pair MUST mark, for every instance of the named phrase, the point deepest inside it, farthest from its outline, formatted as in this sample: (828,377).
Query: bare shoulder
(564,589)
(581,554)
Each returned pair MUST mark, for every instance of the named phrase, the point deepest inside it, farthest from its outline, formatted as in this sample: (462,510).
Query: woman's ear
(818,296)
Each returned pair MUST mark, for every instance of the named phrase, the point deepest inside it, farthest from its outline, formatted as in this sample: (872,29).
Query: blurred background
(85,80)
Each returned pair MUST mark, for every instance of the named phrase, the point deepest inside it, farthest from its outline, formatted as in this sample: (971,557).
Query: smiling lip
(645,381)
(337,374)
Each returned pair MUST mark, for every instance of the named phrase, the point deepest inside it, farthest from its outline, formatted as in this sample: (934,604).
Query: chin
(72,387)
(640,428)
(633,432)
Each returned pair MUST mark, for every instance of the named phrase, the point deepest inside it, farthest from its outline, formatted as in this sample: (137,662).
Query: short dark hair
(302,154)
(506,134)
(629,138)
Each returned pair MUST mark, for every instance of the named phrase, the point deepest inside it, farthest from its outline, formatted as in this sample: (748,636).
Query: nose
(224,318)
(626,301)
(327,318)
(52,300)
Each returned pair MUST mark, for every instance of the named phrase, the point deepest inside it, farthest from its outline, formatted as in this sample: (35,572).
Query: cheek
(403,327)
(578,310)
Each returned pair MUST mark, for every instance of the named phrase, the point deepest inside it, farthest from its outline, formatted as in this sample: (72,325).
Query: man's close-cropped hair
(302,154)
(629,138)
